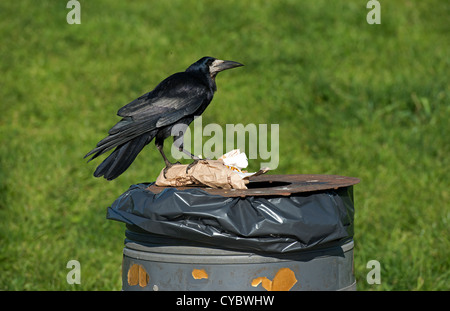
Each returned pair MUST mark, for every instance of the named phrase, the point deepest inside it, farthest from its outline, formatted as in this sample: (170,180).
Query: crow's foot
(169,165)
(192,165)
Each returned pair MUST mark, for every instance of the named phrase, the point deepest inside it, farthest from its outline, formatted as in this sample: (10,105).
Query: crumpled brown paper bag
(210,173)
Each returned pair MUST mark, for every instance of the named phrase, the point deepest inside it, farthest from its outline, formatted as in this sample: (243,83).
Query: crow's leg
(178,142)
(193,157)
(181,148)
(160,146)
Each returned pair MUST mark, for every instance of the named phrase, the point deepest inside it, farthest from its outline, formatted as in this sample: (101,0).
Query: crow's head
(212,66)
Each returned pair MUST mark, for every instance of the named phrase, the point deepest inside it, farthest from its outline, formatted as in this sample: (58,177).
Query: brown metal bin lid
(278,185)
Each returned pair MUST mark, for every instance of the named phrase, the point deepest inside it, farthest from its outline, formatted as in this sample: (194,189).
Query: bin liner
(256,223)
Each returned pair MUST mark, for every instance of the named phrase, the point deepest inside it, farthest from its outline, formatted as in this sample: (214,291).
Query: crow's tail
(122,157)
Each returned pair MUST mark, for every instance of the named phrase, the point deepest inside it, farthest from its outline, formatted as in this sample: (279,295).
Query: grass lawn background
(370,101)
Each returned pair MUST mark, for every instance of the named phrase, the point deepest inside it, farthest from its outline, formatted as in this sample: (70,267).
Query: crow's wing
(177,96)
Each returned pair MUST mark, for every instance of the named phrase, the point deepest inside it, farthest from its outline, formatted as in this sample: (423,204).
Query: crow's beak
(221,65)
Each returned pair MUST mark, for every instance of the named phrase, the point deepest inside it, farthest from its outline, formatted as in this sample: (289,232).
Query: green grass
(370,101)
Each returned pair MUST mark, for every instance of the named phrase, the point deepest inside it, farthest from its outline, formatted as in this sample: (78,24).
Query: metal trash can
(286,232)
(190,268)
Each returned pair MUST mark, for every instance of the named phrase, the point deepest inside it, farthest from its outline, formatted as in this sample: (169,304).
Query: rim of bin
(277,185)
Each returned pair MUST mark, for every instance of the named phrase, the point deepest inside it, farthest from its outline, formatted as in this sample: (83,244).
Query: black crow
(176,100)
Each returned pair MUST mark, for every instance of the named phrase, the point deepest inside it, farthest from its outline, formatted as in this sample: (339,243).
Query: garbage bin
(286,232)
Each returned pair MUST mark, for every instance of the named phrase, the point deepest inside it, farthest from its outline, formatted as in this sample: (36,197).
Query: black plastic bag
(259,224)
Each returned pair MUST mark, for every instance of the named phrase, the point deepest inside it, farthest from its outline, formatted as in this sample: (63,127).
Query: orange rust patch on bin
(137,275)
(266,283)
(199,274)
(284,280)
